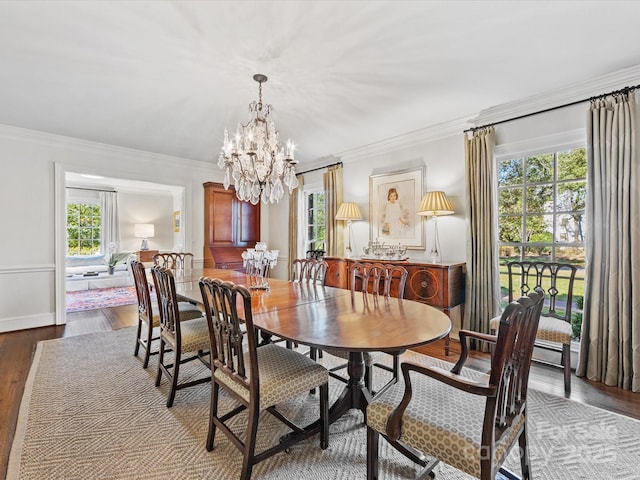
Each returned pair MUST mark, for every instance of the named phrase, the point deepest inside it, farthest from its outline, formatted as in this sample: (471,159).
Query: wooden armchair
(554,331)
(459,416)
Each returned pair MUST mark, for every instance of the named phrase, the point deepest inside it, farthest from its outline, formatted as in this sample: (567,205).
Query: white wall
(146,208)
(33,166)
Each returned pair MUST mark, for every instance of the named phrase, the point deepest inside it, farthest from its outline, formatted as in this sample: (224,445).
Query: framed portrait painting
(394,199)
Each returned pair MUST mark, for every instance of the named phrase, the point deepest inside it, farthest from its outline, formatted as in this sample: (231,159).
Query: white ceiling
(169,76)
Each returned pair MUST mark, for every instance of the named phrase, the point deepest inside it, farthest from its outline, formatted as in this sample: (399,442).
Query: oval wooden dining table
(327,317)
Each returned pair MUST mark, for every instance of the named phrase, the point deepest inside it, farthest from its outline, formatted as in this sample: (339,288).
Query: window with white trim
(315,220)
(83,228)
(541,213)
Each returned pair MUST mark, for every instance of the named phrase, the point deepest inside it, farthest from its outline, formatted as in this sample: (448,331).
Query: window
(541,213)
(83,228)
(316,226)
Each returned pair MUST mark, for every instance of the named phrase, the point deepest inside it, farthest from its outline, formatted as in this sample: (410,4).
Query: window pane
(572,255)
(540,168)
(539,198)
(510,172)
(539,229)
(569,228)
(510,200)
(572,164)
(510,229)
(541,254)
(571,196)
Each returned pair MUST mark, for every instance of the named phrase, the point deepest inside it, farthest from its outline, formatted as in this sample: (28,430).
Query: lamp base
(144,245)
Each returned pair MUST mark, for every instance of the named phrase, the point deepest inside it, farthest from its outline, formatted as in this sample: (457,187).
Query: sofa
(86,272)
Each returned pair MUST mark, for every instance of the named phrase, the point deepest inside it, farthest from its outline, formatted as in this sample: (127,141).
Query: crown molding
(572,93)
(407,140)
(10,132)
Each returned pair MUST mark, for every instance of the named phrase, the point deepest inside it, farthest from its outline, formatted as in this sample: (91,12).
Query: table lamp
(144,231)
(434,204)
(348,212)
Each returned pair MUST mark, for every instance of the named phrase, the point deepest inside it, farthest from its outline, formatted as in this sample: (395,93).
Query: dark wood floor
(17,348)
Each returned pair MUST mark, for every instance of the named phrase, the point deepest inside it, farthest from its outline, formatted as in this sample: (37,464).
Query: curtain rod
(320,168)
(93,189)
(590,99)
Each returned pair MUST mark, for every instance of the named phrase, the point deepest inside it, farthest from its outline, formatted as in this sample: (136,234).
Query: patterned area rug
(100,298)
(90,411)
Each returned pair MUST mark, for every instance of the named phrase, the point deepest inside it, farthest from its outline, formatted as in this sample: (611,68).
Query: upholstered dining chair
(460,416)
(174,260)
(555,330)
(188,339)
(257,378)
(380,280)
(146,317)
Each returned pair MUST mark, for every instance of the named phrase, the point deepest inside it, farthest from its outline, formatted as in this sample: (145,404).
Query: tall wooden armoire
(230,227)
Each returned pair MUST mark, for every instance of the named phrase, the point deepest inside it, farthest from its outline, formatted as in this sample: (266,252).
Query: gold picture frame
(394,199)
(176,221)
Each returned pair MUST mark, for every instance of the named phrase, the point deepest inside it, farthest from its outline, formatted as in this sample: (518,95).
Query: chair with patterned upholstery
(174,260)
(380,280)
(187,339)
(257,378)
(555,330)
(460,416)
(146,316)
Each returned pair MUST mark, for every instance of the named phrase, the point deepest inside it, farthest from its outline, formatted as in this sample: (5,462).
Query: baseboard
(30,321)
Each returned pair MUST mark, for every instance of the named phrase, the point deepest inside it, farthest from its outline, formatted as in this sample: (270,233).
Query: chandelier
(255,159)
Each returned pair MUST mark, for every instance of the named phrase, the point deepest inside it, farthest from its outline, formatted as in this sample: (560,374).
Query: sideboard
(441,285)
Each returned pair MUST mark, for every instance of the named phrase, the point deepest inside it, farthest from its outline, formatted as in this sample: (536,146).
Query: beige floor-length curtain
(293,221)
(483,284)
(110,222)
(610,341)
(333,191)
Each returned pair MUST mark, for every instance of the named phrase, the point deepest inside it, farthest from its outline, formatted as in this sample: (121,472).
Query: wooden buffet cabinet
(230,227)
(441,285)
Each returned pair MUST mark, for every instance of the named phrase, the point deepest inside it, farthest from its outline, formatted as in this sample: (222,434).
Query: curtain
(110,222)
(334,237)
(293,221)
(483,280)
(610,341)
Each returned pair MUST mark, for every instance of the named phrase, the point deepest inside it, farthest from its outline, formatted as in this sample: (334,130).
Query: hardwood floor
(17,348)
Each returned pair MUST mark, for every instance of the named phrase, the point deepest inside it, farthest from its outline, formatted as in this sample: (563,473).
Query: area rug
(94,299)
(90,411)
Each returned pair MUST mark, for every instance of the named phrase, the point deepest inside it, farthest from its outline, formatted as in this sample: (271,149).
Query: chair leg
(373,439)
(250,443)
(213,413)
(324,416)
(368,378)
(525,463)
(139,330)
(160,363)
(174,377)
(147,351)
(566,362)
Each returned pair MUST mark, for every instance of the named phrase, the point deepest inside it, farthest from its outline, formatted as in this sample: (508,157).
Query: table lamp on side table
(434,204)
(348,212)
(144,231)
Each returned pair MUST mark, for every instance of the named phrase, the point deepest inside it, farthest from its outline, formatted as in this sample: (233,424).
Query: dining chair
(309,270)
(188,339)
(555,329)
(174,260)
(257,378)
(146,317)
(460,416)
(379,280)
